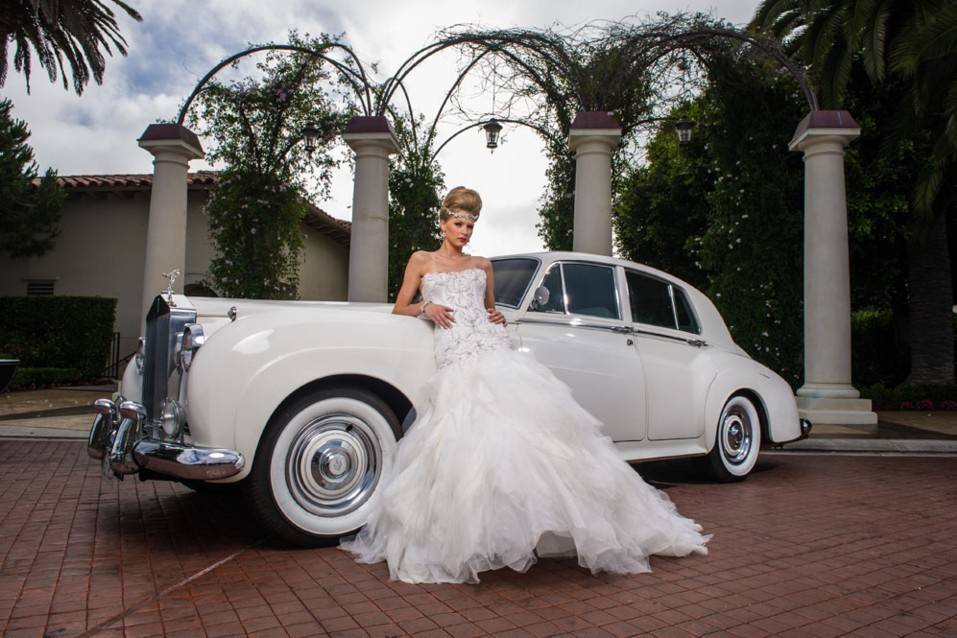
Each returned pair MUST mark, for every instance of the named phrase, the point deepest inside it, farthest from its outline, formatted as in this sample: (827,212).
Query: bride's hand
(440,315)
(495,316)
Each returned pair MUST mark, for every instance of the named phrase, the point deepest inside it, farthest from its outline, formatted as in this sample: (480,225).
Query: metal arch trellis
(688,39)
(550,50)
(363,91)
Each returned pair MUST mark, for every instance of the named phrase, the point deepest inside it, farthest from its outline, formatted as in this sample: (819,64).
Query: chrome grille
(164,330)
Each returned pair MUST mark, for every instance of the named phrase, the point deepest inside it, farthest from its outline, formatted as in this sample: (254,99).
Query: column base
(856,413)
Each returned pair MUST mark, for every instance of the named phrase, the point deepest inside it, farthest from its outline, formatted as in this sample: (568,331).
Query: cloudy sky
(179,40)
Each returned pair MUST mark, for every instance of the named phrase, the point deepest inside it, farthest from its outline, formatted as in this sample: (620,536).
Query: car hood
(220,307)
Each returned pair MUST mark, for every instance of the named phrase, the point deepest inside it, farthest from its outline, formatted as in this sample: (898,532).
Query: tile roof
(320,220)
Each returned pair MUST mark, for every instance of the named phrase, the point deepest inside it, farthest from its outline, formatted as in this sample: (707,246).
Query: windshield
(512,277)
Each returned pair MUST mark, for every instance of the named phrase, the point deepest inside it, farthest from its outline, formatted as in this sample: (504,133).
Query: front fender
(244,372)
(773,393)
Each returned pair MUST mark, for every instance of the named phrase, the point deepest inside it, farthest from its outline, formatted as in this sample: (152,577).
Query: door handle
(697,343)
(626,330)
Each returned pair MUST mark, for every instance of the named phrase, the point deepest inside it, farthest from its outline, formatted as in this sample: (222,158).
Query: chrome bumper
(117,433)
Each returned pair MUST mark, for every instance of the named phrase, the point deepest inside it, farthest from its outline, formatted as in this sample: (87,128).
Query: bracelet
(422,309)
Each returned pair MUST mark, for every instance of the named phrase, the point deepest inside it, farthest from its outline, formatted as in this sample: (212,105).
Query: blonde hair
(460,198)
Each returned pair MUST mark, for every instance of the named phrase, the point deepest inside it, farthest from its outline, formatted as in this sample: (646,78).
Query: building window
(40,286)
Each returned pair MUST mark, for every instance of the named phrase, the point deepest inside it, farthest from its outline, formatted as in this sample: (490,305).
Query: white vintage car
(303,402)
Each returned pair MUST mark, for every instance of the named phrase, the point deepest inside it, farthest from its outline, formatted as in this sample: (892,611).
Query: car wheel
(319,461)
(738,440)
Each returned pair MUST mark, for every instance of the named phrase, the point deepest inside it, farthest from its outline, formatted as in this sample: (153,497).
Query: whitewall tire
(318,463)
(737,440)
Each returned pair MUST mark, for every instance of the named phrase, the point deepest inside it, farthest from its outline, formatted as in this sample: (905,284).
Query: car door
(581,333)
(666,338)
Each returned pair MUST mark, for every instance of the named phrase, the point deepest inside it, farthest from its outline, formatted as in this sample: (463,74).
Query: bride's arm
(410,284)
(494,315)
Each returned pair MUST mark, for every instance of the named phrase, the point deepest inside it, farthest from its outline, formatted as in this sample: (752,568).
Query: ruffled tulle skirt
(503,466)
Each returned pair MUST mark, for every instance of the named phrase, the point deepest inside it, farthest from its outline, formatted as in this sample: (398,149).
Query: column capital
(171,138)
(371,134)
(597,128)
(824,126)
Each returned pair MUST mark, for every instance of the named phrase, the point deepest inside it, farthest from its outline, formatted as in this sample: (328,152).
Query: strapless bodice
(472,332)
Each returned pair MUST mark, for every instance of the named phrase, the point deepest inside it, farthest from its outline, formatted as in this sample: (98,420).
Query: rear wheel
(318,463)
(738,440)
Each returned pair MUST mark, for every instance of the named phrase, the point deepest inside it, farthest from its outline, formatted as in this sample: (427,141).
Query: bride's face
(457,231)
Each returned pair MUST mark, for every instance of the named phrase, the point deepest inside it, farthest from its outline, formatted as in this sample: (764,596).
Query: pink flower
(948,405)
(907,405)
(925,405)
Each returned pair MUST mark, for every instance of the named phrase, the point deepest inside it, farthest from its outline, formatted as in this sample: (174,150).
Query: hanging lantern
(311,135)
(684,126)
(492,130)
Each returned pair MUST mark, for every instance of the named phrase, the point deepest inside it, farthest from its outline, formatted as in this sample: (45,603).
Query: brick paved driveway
(808,546)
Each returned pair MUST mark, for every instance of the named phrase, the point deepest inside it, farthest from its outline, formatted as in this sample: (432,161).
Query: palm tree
(914,44)
(61,33)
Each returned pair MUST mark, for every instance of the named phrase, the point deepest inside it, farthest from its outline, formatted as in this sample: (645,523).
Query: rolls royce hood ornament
(171,278)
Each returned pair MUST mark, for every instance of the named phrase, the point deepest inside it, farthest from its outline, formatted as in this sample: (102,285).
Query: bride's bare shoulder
(482,262)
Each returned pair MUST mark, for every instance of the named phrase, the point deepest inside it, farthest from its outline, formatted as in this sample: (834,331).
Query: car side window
(590,290)
(658,303)
(686,318)
(650,301)
(556,292)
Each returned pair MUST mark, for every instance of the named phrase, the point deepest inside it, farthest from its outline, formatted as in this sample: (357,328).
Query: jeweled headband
(461,214)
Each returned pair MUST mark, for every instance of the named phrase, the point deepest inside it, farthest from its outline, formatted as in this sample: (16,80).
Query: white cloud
(179,40)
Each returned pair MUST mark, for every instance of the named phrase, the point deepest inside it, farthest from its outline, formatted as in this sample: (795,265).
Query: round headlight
(193,339)
(173,417)
(140,354)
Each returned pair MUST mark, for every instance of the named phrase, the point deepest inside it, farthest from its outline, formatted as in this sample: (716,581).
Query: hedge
(29,378)
(58,332)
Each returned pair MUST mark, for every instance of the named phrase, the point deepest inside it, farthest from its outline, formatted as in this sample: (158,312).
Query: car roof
(549,256)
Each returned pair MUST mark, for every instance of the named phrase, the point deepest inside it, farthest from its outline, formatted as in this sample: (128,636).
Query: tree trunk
(930,302)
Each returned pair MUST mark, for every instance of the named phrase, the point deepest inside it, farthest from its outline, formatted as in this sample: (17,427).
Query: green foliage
(661,208)
(908,397)
(557,208)
(415,184)
(254,222)
(875,358)
(58,332)
(257,208)
(32,378)
(29,215)
(61,34)
(753,242)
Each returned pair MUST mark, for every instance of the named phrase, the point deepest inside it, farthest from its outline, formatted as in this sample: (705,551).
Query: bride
(503,466)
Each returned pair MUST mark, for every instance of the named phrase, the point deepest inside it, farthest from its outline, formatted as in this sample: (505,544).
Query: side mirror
(539,298)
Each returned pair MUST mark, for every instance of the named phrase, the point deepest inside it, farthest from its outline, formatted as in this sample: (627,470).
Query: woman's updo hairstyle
(462,199)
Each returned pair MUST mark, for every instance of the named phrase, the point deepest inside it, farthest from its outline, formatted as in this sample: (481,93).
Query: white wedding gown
(504,465)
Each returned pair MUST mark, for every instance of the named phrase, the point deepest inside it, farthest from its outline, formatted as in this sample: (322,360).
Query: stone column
(172,146)
(373,141)
(827,395)
(593,137)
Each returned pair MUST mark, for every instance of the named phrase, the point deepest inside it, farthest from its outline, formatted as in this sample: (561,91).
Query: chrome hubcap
(736,434)
(333,464)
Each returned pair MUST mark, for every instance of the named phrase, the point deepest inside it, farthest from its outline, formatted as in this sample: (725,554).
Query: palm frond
(63,35)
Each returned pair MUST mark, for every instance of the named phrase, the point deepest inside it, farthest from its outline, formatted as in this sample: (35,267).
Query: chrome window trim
(573,323)
(528,286)
(674,309)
